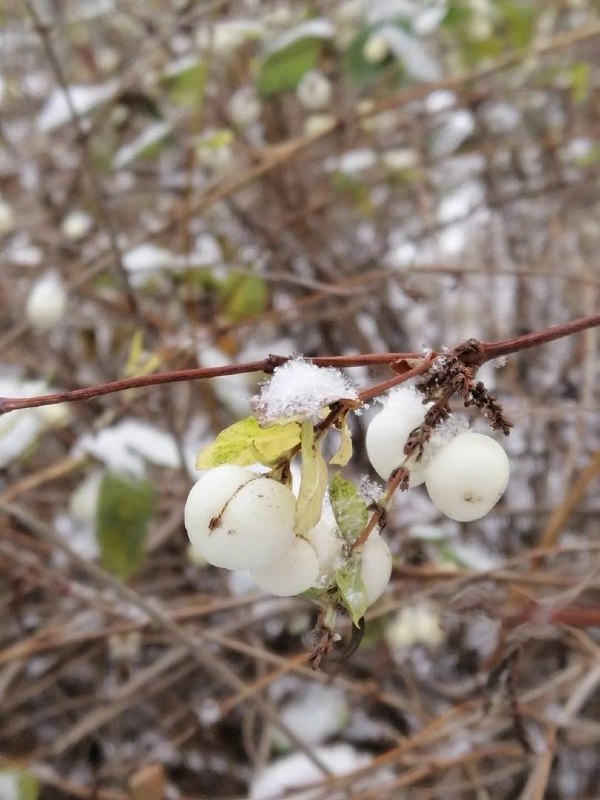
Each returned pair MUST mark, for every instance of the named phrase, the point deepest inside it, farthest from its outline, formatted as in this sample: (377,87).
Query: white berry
(375,49)
(238,519)
(244,107)
(294,571)
(77,225)
(328,547)
(388,432)
(467,476)
(314,90)
(375,567)
(47,302)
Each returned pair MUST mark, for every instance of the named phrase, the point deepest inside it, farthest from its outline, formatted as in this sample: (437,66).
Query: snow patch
(299,390)
(296,772)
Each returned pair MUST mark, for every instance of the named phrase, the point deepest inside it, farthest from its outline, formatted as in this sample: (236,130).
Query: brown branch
(488,351)
(471,353)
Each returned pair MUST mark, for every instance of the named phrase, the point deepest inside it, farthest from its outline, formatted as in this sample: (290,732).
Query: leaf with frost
(415,59)
(316,28)
(185,80)
(349,508)
(84,99)
(149,142)
(313,482)
(245,443)
(344,452)
(292,54)
(349,582)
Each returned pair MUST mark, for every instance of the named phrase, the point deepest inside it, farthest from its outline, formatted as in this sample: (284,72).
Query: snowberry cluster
(244,520)
(239,519)
(465,473)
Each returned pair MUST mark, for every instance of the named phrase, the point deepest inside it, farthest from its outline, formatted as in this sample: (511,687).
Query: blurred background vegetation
(211,182)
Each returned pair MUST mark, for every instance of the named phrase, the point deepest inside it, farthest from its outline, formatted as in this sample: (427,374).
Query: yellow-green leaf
(282,69)
(313,481)
(349,508)
(352,590)
(245,296)
(125,506)
(245,443)
(185,81)
(17,784)
(344,451)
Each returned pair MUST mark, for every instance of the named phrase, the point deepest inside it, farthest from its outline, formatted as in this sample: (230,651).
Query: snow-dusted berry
(375,567)
(314,90)
(47,302)
(467,476)
(238,519)
(294,571)
(388,432)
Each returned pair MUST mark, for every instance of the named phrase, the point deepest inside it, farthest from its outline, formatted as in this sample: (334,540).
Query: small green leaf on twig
(349,508)
(352,590)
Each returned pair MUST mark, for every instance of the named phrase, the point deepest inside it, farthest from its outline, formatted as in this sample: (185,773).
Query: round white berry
(293,572)
(388,432)
(47,302)
(328,546)
(314,90)
(238,519)
(244,107)
(375,49)
(375,567)
(467,476)
(77,225)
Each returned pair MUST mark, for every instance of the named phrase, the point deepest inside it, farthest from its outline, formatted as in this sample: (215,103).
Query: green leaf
(17,784)
(245,443)
(125,506)
(344,451)
(518,21)
(282,69)
(245,296)
(313,482)
(580,81)
(349,508)
(352,590)
(355,65)
(185,81)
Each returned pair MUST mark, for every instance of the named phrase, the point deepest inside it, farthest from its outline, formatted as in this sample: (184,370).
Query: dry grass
(507,705)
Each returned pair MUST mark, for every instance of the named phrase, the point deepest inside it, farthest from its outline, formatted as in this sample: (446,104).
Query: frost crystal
(299,390)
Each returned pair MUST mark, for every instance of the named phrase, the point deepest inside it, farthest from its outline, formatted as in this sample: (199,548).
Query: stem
(398,476)
(483,352)
(491,350)
(264,365)
(380,388)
